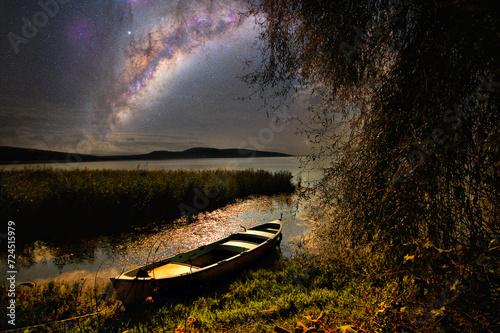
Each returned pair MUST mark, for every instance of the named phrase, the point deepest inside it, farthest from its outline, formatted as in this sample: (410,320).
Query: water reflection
(100,258)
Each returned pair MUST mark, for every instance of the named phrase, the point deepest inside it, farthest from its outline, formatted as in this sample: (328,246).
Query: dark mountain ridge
(14,155)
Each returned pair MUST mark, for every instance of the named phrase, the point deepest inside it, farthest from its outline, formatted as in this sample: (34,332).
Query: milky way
(148,56)
(131,76)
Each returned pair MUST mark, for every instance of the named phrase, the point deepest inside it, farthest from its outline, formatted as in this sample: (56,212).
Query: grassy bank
(257,302)
(43,202)
(349,294)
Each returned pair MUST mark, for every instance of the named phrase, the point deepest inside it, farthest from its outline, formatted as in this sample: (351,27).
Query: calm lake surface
(273,164)
(100,258)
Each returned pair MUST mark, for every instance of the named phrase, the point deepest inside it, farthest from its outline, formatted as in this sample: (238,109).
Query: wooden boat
(206,263)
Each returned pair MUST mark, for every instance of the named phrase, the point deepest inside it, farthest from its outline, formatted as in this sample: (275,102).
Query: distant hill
(12,155)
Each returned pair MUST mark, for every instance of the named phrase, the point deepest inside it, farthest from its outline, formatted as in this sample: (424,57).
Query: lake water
(272,164)
(101,258)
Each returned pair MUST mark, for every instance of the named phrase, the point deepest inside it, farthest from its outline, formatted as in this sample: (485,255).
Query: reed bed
(47,202)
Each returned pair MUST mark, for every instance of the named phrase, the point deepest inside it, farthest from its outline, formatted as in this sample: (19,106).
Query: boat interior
(237,244)
(213,253)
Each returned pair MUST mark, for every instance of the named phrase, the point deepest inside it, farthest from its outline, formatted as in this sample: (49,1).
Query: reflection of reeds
(52,203)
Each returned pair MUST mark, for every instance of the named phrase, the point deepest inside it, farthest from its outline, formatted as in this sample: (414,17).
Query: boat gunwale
(126,276)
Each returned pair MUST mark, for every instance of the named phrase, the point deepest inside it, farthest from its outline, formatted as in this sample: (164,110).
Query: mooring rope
(54,322)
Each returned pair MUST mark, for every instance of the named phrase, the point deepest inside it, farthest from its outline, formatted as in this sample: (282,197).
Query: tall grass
(353,293)
(256,302)
(62,307)
(46,202)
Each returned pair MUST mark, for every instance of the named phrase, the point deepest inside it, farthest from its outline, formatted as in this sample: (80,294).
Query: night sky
(132,76)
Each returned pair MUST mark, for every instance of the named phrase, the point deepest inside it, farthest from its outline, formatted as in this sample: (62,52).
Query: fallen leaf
(347,329)
(408,257)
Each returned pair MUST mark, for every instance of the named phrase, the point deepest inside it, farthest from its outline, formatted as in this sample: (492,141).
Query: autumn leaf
(347,329)
(408,257)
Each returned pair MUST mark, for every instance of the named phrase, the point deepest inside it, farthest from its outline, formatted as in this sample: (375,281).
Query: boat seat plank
(274,231)
(259,233)
(240,244)
(172,269)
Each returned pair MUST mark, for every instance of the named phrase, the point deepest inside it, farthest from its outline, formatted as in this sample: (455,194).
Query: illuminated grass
(256,302)
(341,294)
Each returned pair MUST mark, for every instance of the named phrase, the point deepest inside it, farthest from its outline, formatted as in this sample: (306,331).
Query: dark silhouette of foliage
(406,124)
